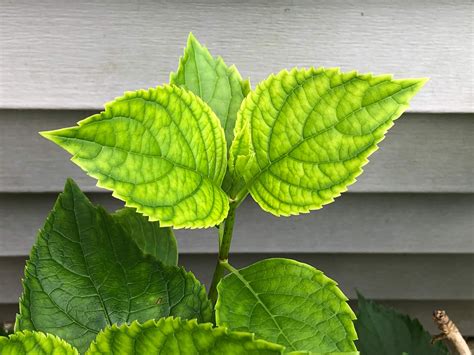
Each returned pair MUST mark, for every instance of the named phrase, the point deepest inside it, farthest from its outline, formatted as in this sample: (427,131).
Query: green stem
(226,229)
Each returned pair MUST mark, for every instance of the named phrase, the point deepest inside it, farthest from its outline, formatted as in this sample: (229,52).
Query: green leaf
(85,273)
(160,150)
(35,343)
(220,86)
(384,331)
(175,336)
(149,236)
(306,134)
(288,303)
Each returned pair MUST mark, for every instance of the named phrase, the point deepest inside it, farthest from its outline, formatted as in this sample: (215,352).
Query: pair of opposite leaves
(88,272)
(180,152)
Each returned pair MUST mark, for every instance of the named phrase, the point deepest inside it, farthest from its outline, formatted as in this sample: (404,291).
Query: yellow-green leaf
(219,85)
(306,134)
(35,343)
(162,151)
(175,336)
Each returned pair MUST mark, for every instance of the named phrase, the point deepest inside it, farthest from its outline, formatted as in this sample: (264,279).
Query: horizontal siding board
(422,153)
(80,54)
(356,223)
(462,312)
(385,277)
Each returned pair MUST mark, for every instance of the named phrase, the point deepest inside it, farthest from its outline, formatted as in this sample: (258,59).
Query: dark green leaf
(149,236)
(382,330)
(84,273)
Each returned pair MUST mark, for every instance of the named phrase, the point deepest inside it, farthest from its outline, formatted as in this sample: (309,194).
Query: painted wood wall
(403,234)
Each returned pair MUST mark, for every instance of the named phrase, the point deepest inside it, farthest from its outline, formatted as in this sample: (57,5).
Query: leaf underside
(220,86)
(35,343)
(175,336)
(162,151)
(152,239)
(85,273)
(382,330)
(288,303)
(304,135)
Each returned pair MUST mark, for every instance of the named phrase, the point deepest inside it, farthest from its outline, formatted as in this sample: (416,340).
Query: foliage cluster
(185,155)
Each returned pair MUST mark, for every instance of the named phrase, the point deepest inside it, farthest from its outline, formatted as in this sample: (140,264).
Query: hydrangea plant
(185,155)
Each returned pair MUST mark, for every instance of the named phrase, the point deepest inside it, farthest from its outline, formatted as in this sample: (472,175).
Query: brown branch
(450,333)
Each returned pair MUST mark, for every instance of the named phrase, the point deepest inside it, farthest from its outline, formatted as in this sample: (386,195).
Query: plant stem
(450,333)
(226,228)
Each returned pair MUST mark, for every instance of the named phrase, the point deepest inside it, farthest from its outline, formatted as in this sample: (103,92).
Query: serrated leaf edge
(52,136)
(192,322)
(25,333)
(337,291)
(352,178)
(24,303)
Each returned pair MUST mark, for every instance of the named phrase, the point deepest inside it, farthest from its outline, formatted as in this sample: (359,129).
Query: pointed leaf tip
(219,85)
(192,38)
(309,132)
(46,134)
(71,185)
(176,175)
(90,247)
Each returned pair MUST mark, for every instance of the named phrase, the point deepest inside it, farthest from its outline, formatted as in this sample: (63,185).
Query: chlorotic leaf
(239,156)
(85,273)
(288,303)
(35,343)
(220,86)
(175,336)
(162,151)
(152,239)
(307,134)
(382,330)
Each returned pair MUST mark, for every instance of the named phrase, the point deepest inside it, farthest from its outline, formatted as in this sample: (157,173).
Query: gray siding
(403,234)
(422,153)
(80,54)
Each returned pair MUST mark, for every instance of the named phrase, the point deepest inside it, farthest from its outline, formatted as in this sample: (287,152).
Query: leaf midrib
(293,148)
(255,294)
(86,264)
(184,167)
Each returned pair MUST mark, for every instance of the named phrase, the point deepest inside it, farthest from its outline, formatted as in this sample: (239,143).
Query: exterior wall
(403,234)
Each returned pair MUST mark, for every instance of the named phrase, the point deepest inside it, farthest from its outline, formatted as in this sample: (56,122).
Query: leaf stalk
(226,229)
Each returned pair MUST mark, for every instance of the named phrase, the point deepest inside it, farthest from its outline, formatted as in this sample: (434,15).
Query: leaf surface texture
(219,85)
(162,151)
(382,330)
(85,273)
(175,336)
(304,135)
(288,303)
(152,239)
(35,343)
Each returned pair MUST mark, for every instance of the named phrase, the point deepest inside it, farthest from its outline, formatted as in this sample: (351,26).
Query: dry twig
(450,333)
